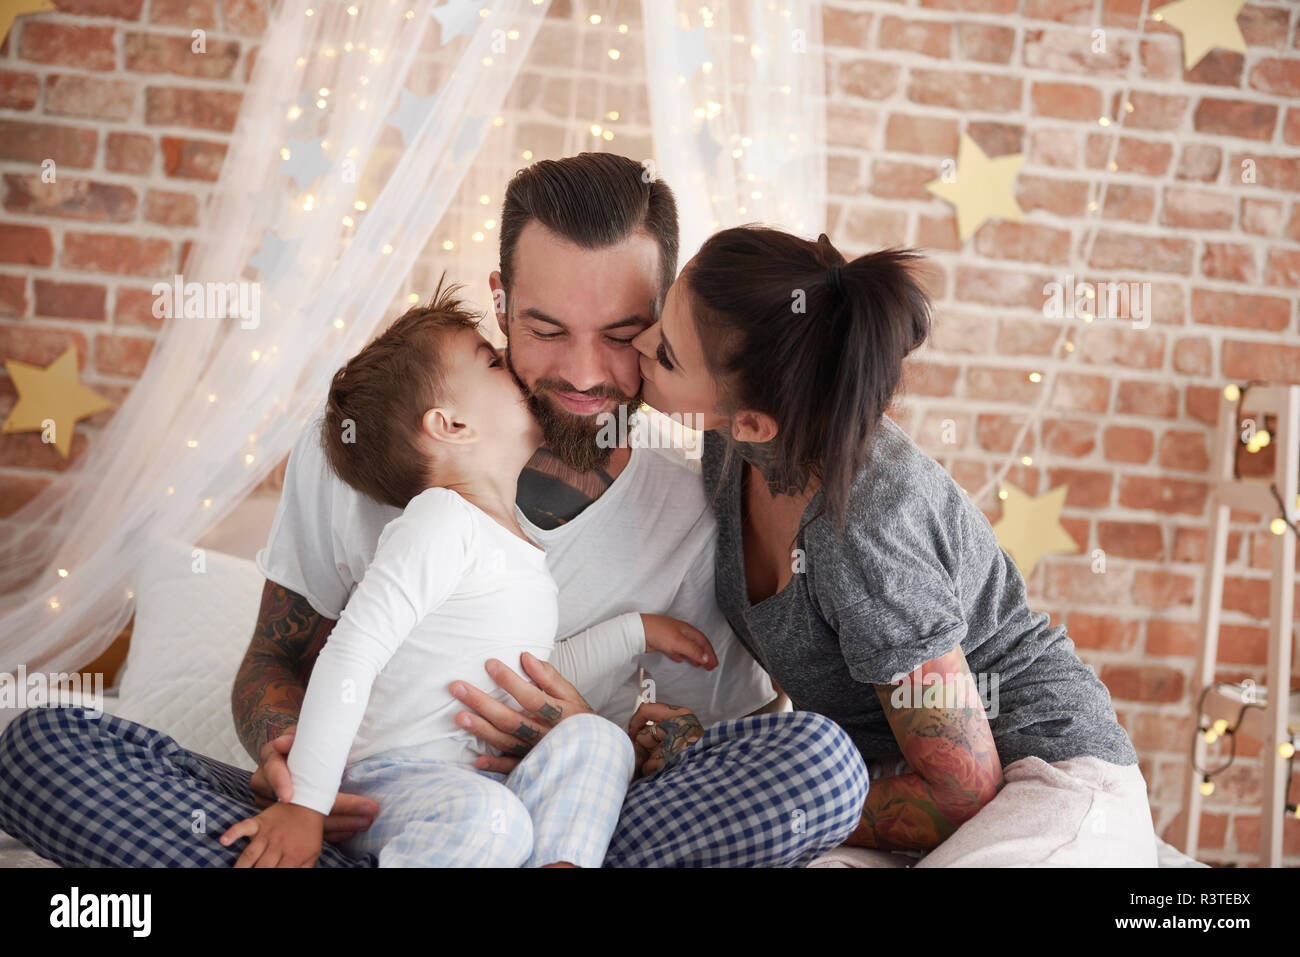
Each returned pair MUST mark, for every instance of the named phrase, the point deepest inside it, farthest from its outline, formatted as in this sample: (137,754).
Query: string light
(63,573)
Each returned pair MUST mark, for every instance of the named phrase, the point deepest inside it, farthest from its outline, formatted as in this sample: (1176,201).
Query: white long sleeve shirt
(449,587)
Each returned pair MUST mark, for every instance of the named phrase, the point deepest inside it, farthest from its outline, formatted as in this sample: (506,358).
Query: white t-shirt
(646,545)
(449,587)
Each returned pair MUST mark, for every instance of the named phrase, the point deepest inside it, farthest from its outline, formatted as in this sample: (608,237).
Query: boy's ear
(498,300)
(750,426)
(440,425)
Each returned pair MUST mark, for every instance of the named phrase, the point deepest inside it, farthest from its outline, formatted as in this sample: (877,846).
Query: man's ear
(750,426)
(440,425)
(498,300)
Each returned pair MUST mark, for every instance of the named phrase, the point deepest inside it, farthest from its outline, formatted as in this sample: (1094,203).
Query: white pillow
(195,610)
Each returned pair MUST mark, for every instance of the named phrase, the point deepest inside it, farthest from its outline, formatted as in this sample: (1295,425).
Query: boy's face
(487,396)
(573,315)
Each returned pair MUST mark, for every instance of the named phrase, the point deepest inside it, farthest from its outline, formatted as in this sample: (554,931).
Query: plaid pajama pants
(772,790)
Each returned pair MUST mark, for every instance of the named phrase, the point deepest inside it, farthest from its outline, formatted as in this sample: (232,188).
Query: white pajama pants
(560,803)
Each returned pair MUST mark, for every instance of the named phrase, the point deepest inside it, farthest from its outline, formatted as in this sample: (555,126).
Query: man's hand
(284,835)
(545,704)
(272,781)
(659,733)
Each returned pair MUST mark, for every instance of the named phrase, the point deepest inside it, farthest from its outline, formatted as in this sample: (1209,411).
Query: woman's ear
(440,425)
(750,426)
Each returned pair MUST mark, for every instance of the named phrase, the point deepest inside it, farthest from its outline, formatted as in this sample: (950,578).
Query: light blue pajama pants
(560,803)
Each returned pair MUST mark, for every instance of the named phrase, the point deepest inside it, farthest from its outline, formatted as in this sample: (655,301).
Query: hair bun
(826,251)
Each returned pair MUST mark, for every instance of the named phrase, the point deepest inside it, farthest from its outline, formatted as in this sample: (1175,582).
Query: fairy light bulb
(1210,736)
(448,245)
(1220,726)
(1002,495)
(1207,787)
(1285,750)
(63,573)
(1232,393)
(1035,377)
(1277,526)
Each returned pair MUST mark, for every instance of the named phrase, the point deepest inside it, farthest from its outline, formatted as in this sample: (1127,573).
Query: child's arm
(598,660)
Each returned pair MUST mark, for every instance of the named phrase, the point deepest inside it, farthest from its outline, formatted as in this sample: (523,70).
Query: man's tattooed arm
(272,678)
(956,768)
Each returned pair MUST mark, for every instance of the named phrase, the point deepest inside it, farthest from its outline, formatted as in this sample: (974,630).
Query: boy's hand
(678,640)
(284,835)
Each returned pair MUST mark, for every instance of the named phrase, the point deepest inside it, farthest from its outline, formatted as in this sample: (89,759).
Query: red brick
(1063,11)
(937,232)
(1283,268)
(1261,217)
(1164,732)
(192,159)
(1003,385)
(930,38)
(869,79)
(986,92)
(68,198)
(1001,287)
(1123,345)
(13,296)
(1212,307)
(1057,146)
(17,490)
(87,48)
(121,9)
(1250,596)
(112,253)
(184,13)
(1172,638)
(1088,488)
(996,139)
(1263,26)
(985,42)
(1061,197)
(1217,68)
(19,90)
(1143,540)
(246,17)
(1231,261)
(1066,101)
(1154,111)
(1161,57)
(1150,683)
(1102,632)
(171,209)
(928,135)
(1026,337)
(997,433)
(1133,203)
(1073,438)
(973,6)
(1193,355)
(122,355)
(200,109)
(928,378)
(90,97)
(1200,162)
(1075,583)
(1162,589)
(850,124)
(894,180)
(1075,392)
(1142,156)
(128,153)
(1243,644)
(1291,127)
(37,142)
(1115,250)
(1184,451)
(1147,398)
(872,226)
(1277,77)
(1293,225)
(1146,493)
(1203,403)
(1071,51)
(158,53)
(1023,241)
(1188,208)
(70,300)
(134,307)
(1276,172)
(37,346)
(956,331)
(1124,443)
(1241,118)
(26,245)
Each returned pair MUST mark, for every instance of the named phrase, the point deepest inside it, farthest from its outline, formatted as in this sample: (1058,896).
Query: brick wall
(139,126)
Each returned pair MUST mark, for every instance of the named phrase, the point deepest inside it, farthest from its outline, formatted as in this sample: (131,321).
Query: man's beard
(572,438)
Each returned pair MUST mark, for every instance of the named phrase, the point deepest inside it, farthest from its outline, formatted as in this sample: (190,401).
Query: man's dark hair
(376,405)
(592,200)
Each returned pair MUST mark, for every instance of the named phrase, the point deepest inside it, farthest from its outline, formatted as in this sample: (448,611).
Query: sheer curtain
(373,146)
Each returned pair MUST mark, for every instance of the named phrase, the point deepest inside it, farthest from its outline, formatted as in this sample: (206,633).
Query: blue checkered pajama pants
(772,790)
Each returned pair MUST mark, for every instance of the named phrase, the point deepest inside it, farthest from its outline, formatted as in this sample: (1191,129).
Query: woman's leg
(770,790)
(106,792)
(1082,812)
(573,784)
(438,814)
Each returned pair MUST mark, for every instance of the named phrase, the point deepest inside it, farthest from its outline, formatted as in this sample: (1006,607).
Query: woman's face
(672,365)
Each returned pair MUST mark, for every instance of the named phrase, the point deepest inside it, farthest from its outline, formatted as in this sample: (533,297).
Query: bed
(195,610)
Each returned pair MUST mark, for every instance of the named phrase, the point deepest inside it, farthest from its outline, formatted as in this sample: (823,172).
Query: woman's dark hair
(791,329)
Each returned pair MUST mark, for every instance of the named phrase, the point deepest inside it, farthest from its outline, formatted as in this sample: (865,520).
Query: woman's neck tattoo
(781,479)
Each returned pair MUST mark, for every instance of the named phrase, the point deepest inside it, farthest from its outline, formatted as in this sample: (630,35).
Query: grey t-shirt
(917,571)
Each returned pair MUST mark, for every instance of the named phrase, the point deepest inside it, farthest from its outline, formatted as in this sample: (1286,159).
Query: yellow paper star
(1204,24)
(9,9)
(981,188)
(53,394)
(1031,527)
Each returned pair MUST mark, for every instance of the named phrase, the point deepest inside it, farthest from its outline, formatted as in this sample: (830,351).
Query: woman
(863,578)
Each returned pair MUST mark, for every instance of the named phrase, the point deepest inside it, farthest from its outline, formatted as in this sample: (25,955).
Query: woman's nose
(647,340)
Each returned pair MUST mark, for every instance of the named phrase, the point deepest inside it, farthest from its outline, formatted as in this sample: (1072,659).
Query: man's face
(573,315)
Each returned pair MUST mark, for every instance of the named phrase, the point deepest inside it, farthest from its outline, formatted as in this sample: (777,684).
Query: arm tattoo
(272,678)
(550,713)
(525,733)
(956,772)
(550,493)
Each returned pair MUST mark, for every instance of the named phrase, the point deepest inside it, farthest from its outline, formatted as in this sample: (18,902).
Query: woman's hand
(545,704)
(659,733)
(272,782)
(284,835)
(678,640)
